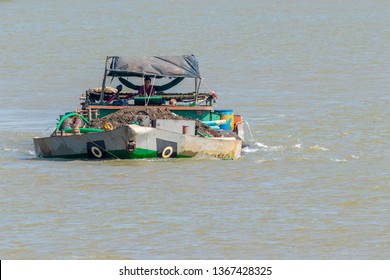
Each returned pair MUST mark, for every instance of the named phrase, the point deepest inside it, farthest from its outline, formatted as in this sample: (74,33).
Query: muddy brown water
(311,78)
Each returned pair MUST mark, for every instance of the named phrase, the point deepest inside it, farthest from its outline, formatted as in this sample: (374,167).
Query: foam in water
(19,151)
(318,148)
(10,150)
(339,160)
(258,146)
(269,148)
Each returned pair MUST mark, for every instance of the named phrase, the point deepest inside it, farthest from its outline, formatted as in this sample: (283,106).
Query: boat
(118,123)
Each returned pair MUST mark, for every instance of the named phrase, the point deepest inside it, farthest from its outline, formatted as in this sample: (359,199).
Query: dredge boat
(152,122)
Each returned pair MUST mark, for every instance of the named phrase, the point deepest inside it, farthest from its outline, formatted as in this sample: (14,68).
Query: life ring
(96,152)
(167,152)
(108,126)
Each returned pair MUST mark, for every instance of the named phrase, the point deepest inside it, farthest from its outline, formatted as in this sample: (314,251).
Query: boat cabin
(125,81)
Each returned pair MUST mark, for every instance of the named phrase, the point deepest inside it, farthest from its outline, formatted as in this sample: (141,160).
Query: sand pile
(129,115)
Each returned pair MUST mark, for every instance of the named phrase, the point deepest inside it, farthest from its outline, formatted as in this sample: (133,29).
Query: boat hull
(134,141)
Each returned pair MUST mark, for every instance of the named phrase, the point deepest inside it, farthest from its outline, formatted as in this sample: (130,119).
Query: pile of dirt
(129,115)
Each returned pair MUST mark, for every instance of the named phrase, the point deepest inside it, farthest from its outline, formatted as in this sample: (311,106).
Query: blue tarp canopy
(185,66)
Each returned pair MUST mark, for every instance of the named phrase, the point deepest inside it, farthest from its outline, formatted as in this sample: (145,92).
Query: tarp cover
(159,66)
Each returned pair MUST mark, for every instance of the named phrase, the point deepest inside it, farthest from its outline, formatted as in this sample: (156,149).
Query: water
(311,79)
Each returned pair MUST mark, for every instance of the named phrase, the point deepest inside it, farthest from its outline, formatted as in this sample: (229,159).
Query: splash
(249,149)
(252,139)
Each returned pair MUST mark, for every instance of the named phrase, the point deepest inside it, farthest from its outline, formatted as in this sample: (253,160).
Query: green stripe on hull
(145,153)
(139,153)
(142,153)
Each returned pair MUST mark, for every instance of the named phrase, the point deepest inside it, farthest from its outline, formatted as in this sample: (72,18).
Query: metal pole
(104,81)
(197,86)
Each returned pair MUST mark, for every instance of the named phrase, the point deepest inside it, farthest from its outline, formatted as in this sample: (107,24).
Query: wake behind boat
(145,120)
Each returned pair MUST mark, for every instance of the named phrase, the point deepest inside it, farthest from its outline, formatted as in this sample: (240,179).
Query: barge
(135,114)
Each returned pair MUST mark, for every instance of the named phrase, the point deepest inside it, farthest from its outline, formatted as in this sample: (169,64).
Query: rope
(150,93)
(209,89)
(108,152)
(206,84)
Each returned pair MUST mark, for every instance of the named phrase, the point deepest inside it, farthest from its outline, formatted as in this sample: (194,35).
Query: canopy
(185,66)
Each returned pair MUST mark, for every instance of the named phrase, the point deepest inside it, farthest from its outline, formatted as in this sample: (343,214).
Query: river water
(311,79)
